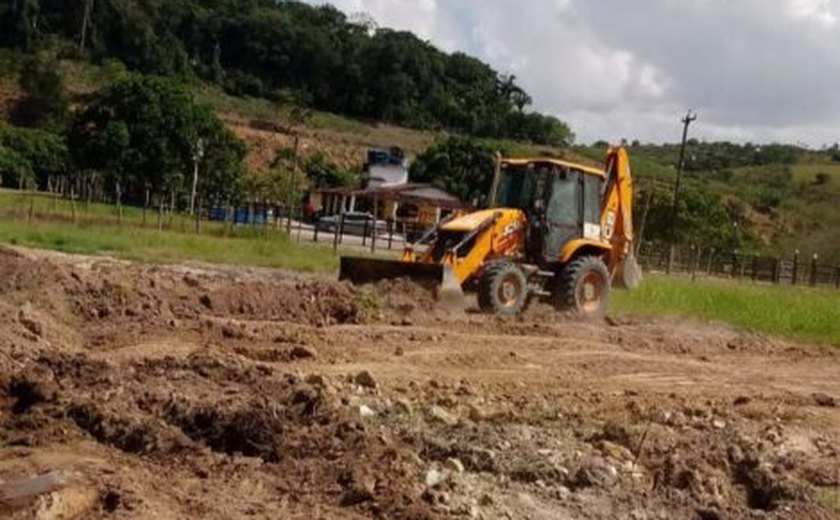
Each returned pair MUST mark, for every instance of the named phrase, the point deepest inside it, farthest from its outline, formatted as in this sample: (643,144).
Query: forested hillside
(287,51)
(767,198)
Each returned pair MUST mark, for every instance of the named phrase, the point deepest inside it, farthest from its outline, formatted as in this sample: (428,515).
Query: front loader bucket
(438,277)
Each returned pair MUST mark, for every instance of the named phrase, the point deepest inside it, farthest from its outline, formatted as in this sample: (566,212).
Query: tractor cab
(562,202)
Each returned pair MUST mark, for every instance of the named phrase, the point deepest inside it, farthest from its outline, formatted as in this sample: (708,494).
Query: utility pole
(198,154)
(689,118)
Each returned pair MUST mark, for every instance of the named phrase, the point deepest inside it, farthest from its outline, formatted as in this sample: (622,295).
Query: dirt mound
(172,412)
(406,297)
(118,301)
(142,391)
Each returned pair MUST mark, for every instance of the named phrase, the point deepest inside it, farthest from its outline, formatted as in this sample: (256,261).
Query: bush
(15,170)
(45,100)
(34,153)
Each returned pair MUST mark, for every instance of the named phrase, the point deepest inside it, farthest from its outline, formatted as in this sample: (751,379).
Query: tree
(704,219)
(142,131)
(462,166)
(19,22)
(34,154)
(262,47)
(15,170)
(45,102)
(323,173)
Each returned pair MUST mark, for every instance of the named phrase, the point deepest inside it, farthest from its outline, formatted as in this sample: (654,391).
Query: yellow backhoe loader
(554,230)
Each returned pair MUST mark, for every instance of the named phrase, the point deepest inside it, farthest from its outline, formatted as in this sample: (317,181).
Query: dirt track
(194,392)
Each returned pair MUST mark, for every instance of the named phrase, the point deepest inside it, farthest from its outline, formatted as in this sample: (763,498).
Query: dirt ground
(141,391)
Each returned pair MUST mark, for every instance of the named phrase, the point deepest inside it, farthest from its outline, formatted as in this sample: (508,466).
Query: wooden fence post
(146,204)
(373,238)
(814,268)
(693,261)
(795,272)
(734,270)
(711,259)
(197,215)
(390,234)
(837,277)
(755,267)
(339,229)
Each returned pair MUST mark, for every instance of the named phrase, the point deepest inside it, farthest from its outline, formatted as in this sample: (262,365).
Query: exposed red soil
(197,392)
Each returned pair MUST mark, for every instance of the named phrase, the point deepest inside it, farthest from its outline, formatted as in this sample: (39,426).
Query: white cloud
(757,70)
(423,17)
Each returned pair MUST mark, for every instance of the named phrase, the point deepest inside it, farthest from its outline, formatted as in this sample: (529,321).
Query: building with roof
(388,194)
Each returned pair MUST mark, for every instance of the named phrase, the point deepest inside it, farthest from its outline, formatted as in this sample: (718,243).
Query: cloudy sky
(755,70)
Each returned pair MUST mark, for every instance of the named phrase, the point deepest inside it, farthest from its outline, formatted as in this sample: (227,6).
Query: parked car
(355,223)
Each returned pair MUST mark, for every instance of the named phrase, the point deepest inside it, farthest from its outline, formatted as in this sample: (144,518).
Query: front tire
(584,287)
(503,289)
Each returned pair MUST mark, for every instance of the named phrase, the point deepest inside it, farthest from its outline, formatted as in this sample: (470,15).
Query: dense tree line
(721,156)
(142,137)
(285,50)
(142,140)
(704,218)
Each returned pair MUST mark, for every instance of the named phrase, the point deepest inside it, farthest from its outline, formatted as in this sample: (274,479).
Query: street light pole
(689,118)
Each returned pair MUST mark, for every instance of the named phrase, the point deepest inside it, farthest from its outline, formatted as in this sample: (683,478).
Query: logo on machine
(609,227)
(507,237)
(510,229)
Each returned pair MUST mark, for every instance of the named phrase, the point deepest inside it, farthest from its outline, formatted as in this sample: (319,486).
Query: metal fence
(338,230)
(698,261)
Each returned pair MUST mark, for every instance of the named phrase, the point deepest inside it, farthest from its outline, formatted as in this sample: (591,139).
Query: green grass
(97,230)
(792,312)
(808,172)
(150,245)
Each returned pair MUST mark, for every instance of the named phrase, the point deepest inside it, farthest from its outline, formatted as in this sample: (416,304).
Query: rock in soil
(365,379)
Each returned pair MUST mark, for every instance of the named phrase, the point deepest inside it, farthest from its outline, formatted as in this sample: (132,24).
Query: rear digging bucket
(629,274)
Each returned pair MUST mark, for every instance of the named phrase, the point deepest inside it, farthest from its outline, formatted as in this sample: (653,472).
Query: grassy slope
(808,172)
(792,312)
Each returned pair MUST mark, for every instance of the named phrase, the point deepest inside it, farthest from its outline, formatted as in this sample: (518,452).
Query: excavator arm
(617,219)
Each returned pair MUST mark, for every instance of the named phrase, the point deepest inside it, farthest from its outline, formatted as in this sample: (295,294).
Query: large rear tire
(503,289)
(584,287)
